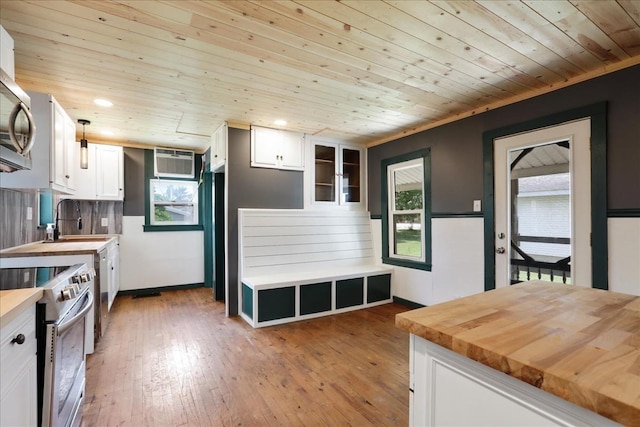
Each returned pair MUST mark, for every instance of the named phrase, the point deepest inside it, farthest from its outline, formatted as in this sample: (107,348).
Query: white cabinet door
(277,149)
(265,147)
(71,153)
(291,150)
(18,372)
(337,174)
(109,172)
(219,148)
(113,265)
(58,172)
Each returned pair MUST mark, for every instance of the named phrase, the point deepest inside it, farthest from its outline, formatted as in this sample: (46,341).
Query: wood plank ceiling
(361,71)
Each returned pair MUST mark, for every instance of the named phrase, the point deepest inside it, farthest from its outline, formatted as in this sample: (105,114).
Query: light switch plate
(105,222)
(29,213)
(477,205)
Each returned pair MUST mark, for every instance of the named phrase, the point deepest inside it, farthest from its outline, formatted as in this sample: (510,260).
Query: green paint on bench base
(378,288)
(247,300)
(277,303)
(349,292)
(315,298)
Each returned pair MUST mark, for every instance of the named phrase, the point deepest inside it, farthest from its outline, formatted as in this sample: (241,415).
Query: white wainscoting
(157,259)
(624,255)
(457,262)
(457,258)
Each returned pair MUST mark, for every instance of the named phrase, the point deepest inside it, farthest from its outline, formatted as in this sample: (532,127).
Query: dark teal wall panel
(315,298)
(378,288)
(247,300)
(349,292)
(276,303)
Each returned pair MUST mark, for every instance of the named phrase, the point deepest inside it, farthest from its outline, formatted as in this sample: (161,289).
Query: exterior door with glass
(542,185)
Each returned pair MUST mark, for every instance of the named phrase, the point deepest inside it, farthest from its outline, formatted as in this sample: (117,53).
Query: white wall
(624,255)
(457,263)
(458,260)
(157,259)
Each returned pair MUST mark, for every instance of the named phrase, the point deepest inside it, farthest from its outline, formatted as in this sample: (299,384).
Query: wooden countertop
(577,343)
(68,245)
(15,301)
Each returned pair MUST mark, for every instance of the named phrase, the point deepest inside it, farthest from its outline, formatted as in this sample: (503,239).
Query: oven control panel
(74,288)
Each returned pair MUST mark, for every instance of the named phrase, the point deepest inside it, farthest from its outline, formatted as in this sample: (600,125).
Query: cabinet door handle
(19,339)
(67,176)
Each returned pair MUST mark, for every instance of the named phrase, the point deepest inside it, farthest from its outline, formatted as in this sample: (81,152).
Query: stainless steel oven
(61,322)
(63,319)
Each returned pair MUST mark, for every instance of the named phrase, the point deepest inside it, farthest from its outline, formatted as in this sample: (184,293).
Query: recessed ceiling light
(103,102)
(280,122)
(107,133)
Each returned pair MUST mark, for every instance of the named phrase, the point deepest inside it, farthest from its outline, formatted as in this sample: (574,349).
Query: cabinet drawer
(16,356)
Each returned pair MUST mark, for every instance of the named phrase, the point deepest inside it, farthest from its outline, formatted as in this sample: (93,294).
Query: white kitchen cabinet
(278,149)
(113,267)
(7,62)
(18,371)
(337,175)
(219,140)
(104,177)
(55,153)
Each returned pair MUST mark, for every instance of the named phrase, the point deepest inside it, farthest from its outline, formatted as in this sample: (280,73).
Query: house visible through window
(407,220)
(173,202)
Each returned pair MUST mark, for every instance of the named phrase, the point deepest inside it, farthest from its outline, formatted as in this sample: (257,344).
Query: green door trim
(207,223)
(599,246)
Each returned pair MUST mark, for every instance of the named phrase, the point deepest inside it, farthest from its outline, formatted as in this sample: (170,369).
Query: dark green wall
(133,182)
(456,148)
(253,188)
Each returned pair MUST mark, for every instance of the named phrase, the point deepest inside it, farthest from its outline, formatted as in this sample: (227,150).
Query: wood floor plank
(176,360)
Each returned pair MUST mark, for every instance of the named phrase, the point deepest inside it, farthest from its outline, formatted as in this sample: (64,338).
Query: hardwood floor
(176,360)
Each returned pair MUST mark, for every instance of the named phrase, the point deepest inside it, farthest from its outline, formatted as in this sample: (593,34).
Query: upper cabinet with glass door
(337,177)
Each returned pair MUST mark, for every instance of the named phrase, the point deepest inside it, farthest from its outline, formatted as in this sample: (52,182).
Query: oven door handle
(75,319)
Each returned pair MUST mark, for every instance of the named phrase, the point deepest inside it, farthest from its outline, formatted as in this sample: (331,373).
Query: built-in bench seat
(298,264)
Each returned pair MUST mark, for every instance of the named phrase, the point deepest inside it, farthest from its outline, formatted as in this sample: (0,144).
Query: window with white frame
(406,234)
(406,223)
(173,202)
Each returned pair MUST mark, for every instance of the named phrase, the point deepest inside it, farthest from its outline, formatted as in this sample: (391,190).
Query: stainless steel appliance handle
(12,128)
(75,319)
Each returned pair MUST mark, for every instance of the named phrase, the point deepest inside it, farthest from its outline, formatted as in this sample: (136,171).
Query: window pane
(174,202)
(407,184)
(407,235)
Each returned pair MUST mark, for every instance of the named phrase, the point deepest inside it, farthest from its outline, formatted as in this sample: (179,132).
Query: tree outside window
(407,220)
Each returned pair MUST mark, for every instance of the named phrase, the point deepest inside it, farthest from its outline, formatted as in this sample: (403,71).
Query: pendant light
(84,149)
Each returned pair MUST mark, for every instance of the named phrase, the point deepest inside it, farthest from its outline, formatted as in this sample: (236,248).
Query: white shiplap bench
(297,264)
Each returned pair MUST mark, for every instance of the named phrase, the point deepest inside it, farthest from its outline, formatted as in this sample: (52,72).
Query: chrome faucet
(56,229)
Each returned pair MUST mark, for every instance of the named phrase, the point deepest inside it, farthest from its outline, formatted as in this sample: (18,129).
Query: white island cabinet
(532,354)
(55,153)
(18,370)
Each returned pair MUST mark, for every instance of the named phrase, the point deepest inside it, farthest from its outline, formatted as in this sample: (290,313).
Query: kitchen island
(571,355)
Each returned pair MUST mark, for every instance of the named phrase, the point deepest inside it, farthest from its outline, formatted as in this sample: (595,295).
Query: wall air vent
(173,163)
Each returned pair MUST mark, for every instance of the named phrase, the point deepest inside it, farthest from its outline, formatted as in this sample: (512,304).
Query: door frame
(599,247)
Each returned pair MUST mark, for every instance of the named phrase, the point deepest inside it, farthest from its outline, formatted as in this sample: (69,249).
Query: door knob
(500,250)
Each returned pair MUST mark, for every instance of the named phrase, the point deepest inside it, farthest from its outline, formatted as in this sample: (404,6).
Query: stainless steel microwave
(17,128)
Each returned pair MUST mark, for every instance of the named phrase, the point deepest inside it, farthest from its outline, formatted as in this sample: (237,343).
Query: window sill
(406,263)
(154,228)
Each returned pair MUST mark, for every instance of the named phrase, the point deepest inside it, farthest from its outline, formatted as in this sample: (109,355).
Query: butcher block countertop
(67,245)
(580,344)
(15,301)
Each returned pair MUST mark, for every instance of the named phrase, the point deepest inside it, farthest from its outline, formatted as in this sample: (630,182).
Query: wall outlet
(104,222)
(477,205)
(26,277)
(29,213)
